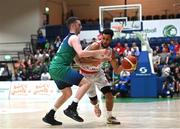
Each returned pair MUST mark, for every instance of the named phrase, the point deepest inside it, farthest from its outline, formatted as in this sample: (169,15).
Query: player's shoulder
(73,37)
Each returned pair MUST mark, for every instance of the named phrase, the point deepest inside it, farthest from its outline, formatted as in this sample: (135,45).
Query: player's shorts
(72,77)
(98,80)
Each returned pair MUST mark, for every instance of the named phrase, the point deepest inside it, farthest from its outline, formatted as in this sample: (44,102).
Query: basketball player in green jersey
(64,76)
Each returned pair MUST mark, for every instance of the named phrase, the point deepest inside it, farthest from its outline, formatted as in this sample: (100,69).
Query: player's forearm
(92,53)
(87,61)
(118,70)
(116,67)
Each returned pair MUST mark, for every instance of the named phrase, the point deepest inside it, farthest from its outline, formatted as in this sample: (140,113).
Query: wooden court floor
(133,113)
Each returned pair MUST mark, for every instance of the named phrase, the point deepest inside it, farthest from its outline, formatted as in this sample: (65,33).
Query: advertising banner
(162,28)
(153,28)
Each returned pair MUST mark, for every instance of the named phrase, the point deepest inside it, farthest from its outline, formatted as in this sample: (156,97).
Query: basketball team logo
(170,31)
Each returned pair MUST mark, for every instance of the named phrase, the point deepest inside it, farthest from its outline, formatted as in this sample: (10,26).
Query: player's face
(78,26)
(106,40)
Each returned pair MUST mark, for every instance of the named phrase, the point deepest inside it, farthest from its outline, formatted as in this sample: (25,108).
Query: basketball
(129,63)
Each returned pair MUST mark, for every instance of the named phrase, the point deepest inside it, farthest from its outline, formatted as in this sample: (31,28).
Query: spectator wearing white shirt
(135,49)
(45,76)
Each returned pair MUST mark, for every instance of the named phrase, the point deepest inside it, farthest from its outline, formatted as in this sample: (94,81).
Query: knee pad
(93,98)
(106,89)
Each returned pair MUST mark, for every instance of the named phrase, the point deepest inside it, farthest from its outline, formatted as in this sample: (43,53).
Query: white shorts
(98,80)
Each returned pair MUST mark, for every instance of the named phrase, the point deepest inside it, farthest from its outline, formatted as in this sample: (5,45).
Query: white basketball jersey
(90,68)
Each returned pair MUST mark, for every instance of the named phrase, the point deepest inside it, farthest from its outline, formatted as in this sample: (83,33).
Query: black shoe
(50,120)
(73,114)
(113,120)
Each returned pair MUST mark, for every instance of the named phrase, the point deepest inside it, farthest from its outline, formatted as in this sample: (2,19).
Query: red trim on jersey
(87,72)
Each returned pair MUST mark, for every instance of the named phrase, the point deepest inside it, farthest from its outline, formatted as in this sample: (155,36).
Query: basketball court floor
(132,112)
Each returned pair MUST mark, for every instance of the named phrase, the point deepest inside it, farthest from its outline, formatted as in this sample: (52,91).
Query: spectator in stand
(39,55)
(30,72)
(46,57)
(166,70)
(158,50)
(156,61)
(177,50)
(165,54)
(135,49)
(45,75)
(57,43)
(126,45)
(51,53)
(47,45)
(37,68)
(119,48)
(172,47)
(16,77)
(23,74)
(41,40)
(127,50)
(177,47)
(177,79)
(165,48)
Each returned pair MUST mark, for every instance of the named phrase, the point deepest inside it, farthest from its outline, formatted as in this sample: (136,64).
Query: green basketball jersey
(60,63)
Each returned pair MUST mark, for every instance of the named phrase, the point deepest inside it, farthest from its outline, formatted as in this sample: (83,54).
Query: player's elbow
(80,55)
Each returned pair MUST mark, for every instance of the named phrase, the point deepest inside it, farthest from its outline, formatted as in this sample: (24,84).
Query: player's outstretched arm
(91,60)
(74,42)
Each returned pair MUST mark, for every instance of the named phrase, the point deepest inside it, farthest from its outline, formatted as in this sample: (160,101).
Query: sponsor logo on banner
(19,88)
(143,70)
(32,89)
(170,31)
(43,89)
(150,30)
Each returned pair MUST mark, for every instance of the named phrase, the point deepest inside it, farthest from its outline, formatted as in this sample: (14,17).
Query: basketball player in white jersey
(91,69)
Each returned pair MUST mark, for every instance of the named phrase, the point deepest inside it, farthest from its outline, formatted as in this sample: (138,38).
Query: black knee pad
(106,89)
(93,98)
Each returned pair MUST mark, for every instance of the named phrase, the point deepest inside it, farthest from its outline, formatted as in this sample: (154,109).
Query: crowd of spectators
(166,60)
(35,65)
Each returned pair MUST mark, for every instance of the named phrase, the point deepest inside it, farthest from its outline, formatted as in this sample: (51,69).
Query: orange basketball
(129,63)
